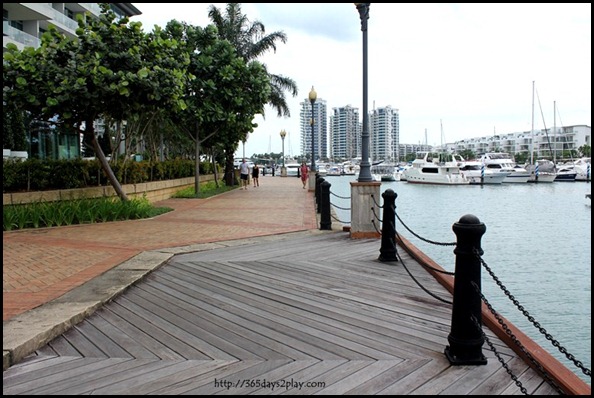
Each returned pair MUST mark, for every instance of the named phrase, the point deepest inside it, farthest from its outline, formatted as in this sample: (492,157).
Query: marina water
(537,242)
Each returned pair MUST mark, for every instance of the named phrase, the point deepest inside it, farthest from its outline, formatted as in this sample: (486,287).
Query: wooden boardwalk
(305,314)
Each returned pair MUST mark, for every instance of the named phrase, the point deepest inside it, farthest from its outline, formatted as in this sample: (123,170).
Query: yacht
(477,173)
(543,170)
(433,168)
(503,163)
(385,172)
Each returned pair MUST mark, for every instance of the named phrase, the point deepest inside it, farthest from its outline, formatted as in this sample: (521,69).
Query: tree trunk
(214,168)
(90,129)
(197,177)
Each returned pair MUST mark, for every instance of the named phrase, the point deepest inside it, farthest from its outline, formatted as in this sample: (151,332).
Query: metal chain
(518,342)
(340,221)
(433,268)
(536,324)
(374,226)
(341,197)
(501,360)
(418,284)
(338,207)
(375,215)
(423,239)
(377,204)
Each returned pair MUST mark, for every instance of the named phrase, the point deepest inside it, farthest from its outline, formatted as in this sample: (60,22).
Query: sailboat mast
(532,128)
(555,132)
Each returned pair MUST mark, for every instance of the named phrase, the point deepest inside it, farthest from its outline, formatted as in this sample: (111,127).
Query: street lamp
(283,134)
(312,98)
(365,170)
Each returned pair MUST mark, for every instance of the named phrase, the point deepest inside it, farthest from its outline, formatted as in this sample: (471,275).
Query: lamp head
(283,134)
(312,95)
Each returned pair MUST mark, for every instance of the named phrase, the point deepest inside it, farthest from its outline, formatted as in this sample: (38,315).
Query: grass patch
(207,189)
(82,211)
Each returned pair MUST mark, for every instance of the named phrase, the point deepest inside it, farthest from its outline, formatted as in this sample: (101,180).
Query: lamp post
(365,170)
(312,98)
(283,134)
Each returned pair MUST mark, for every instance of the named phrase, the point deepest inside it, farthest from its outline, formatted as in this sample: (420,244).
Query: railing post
(317,193)
(388,248)
(325,220)
(466,338)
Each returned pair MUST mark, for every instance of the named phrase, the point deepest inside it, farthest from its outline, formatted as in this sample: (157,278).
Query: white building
(320,128)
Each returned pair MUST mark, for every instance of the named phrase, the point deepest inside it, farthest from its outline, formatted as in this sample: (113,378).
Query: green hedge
(40,175)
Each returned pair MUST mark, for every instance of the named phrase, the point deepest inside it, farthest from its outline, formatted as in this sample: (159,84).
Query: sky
(454,71)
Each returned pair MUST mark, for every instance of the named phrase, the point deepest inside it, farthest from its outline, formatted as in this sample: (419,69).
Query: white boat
(583,168)
(503,163)
(543,170)
(477,173)
(429,168)
(384,172)
(566,173)
(349,169)
(334,171)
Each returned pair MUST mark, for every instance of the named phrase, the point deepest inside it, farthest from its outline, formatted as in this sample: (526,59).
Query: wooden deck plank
(318,309)
(383,380)
(210,322)
(141,338)
(126,342)
(158,341)
(321,323)
(55,371)
(171,331)
(193,370)
(216,375)
(216,347)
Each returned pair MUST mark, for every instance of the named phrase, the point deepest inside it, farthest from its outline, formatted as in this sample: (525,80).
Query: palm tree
(251,41)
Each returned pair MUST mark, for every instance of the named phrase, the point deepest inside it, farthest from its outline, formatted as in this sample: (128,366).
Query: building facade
(320,128)
(384,134)
(345,134)
(550,143)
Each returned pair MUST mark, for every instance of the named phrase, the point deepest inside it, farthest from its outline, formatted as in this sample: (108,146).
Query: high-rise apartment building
(345,133)
(320,128)
(384,134)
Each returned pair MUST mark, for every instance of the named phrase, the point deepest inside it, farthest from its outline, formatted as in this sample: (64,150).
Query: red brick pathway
(42,264)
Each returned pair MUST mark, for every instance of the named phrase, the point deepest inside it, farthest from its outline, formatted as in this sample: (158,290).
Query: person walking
(244,173)
(256,175)
(304,171)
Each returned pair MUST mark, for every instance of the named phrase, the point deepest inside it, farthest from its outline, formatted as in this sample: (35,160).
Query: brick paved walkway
(43,264)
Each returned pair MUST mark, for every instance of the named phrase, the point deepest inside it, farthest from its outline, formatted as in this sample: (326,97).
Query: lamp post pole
(312,98)
(283,134)
(365,170)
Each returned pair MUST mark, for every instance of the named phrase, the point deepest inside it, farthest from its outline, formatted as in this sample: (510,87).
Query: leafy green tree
(251,41)
(225,95)
(585,150)
(111,69)
(14,129)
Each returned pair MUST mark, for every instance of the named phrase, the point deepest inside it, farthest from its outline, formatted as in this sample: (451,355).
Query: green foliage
(37,175)
(50,214)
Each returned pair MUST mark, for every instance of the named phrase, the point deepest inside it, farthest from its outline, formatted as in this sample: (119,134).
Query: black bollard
(325,220)
(388,248)
(317,192)
(466,338)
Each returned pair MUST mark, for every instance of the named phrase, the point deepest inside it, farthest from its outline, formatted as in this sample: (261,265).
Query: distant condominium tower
(385,134)
(320,117)
(345,133)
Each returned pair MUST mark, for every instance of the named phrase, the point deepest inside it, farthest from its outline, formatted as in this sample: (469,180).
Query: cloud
(466,67)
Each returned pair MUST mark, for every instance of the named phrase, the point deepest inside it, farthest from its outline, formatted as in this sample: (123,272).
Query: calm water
(538,243)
